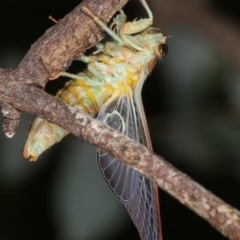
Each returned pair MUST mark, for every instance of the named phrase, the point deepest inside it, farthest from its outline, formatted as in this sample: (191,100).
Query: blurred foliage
(192,105)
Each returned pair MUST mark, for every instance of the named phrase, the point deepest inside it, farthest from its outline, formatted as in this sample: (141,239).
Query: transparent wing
(137,193)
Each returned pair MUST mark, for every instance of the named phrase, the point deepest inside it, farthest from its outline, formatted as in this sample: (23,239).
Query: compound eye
(163,50)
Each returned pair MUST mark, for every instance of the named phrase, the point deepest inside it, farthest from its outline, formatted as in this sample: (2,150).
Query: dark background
(192,104)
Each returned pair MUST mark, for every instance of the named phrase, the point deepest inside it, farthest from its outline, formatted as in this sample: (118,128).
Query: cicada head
(154,41)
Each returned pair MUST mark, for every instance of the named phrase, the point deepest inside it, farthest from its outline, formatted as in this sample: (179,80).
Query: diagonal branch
(53,52)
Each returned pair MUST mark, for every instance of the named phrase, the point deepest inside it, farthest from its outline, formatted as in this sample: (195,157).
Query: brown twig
(21,88)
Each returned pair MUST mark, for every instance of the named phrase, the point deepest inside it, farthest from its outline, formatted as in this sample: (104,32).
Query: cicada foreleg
(134,27)
(120,30)
(118,22)
(103,26)
(137,26)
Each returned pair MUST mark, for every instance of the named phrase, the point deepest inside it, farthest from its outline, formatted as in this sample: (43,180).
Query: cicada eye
(163,50)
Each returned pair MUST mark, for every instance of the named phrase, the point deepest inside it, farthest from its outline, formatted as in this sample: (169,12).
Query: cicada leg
(103,25)
(99,48)
(137,26)
(118,21)
(121,31)
(76,76)
(87,59)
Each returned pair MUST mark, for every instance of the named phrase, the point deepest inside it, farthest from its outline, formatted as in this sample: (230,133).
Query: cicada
(110,89)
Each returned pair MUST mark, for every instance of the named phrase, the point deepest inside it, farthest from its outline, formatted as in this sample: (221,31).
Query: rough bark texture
(21,90)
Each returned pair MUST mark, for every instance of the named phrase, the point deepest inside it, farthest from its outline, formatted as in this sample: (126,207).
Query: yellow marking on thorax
(123,87)
(119,60)
(118,90)
(89,93)
(64,96)
(108,91)
(132,78)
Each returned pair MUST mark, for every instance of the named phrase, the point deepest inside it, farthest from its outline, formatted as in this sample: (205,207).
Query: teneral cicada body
(110,88)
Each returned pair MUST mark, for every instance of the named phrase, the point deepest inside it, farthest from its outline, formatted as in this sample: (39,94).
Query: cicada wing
(131,188)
